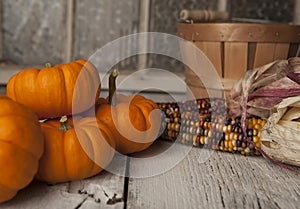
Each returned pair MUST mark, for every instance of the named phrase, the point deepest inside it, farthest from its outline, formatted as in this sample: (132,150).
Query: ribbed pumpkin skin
(49,91)
(21,146)
(64,159)
(138,108)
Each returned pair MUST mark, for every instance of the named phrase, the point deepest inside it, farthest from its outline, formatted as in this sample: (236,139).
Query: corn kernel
(173,126)
(191,130)
(230,145)
(229,127)
(259,133)
(231,136)
(233,143)
(209,134)
(226,143)
(244,145)
(258,144)
(250,126)
(259,121)
(197,127)
(206,140)
(257,126)
(169,126)
(235,136)
(255,139)
(202,139)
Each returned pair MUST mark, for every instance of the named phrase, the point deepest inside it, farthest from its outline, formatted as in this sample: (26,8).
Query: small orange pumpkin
(134,120)
(51,91)
(21,146)
(74,152)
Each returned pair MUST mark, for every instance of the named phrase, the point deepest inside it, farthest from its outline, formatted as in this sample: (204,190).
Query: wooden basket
(234,48)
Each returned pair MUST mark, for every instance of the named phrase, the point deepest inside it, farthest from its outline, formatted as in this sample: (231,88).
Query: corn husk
(264,87)
(281,135)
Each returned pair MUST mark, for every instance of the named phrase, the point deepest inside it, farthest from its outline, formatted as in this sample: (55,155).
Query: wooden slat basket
(234,48)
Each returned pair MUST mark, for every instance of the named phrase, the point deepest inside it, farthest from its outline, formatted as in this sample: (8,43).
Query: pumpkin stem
(48,65)
(64,125)
(112,87)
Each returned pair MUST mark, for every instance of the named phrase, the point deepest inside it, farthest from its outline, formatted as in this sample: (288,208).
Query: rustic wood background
(36,31)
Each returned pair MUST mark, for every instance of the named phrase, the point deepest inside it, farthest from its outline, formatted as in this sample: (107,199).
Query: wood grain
(281,51)
(235,59)
(224,181)
(264,54)
(268,52)
(237,32)
(213,51)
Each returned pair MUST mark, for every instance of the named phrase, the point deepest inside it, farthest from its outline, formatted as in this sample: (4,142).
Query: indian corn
(205,123)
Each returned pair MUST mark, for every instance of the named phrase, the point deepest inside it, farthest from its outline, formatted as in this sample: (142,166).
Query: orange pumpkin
(51,91)
(74,149)
(134,120)
(21,146)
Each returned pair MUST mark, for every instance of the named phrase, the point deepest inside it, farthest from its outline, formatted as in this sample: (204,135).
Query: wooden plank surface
(224,181)
(235,59)
(281,51)
(213,50)
(264,54)
(104,190)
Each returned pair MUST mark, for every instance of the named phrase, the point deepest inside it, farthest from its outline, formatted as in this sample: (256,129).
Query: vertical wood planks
(268,52)
(263,54)
(213,52)
(235,59)
(281,51)
(196,88)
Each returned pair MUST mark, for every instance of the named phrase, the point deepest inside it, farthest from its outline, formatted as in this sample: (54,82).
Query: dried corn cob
(204,122)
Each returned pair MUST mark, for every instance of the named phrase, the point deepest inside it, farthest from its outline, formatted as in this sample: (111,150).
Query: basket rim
(239,32)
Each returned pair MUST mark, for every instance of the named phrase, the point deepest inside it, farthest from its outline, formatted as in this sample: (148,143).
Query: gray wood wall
(37,31)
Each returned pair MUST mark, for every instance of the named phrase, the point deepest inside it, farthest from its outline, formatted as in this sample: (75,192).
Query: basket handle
(203,15)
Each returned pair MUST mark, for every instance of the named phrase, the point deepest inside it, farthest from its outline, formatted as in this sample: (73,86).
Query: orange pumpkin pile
(72,155)
(21,147)
(133,120)
(51,91)
(71,143)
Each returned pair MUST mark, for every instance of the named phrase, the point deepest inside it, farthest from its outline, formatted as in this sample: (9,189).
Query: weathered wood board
(105,190)
(224,181)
